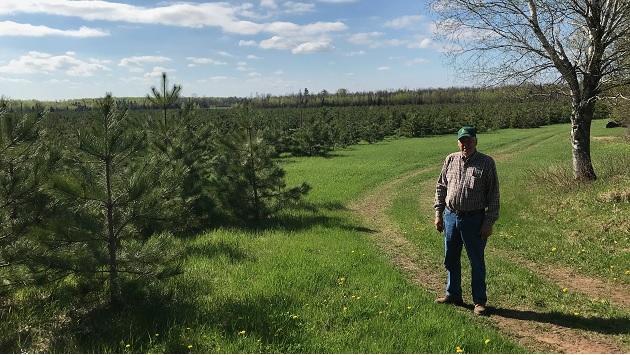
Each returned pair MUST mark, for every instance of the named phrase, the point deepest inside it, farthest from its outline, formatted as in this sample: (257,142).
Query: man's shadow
(616,325)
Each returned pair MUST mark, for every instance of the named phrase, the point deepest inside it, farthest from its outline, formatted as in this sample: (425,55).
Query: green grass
(314,282)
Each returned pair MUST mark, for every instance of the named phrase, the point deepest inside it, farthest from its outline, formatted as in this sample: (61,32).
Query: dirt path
(539,336)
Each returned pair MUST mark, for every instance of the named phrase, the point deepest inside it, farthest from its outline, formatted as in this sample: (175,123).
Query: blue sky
(60,49)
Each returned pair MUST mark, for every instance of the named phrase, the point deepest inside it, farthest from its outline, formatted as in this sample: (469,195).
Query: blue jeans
(466,231)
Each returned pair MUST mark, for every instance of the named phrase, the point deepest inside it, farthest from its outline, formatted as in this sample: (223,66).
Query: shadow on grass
(218,248)
(296,223)
(619,325)
(179,324)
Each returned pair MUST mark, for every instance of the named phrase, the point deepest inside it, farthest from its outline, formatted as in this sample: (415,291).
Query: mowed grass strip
(312,282)
(550,222)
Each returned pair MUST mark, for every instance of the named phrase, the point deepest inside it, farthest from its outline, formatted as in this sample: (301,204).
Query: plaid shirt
(468,185)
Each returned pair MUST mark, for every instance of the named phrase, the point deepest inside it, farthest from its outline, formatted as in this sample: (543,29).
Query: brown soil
(591,287)
(520,324)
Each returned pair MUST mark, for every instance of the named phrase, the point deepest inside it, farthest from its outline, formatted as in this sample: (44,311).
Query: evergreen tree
(24,166)
(191,146)
(108,192)
(186,141)
(249,183)
(164,98)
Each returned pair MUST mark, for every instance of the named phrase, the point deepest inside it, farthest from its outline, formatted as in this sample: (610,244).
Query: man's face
(467,145)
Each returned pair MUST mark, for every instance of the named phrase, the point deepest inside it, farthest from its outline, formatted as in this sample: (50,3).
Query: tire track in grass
(591,287)
(540,336)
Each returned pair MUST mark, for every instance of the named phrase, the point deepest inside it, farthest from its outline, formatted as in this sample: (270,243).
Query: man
(466,207)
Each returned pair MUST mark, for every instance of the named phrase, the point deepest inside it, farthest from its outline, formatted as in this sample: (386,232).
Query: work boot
(458,301)
(480,310)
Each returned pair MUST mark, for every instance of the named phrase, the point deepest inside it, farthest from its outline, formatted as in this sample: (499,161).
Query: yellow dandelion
(157,334)
(242,332)
(380,312)
(358,297)
(127,346)
(409,307)
(353,251)
(576,313)
(565,290)
(189,346)
(627,272)
(554,249)
(487,341)
(459,350)
(294,317)
(345,308)
(187,328)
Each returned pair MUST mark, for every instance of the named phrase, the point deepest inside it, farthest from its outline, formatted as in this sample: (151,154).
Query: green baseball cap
(466,131)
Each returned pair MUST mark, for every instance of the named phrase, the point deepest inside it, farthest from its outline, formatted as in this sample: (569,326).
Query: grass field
(314,281)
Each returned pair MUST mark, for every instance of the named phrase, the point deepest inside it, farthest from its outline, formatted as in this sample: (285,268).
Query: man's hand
(486,231)
(439,224)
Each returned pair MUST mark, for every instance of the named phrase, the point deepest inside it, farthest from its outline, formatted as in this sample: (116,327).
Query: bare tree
(576,43)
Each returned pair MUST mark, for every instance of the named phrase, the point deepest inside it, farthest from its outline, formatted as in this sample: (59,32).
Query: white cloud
(306,39)
(416,61)
(43,63)
(365,38)
(214,79)
(224,15)
(279,72)
(138,61)
(157,72)
(293,7)
(243,43)
(254,74)
(375,40)
(277,42)
(228,16)
(312,47)
(355,53)
(200,61)
(10,28)
(15,80)
(383,68)
(251,56)
(242,66)
(403,21)
(420,43)
(269,4)
(225,54)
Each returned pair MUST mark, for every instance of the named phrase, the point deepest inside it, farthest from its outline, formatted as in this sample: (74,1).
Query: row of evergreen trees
(318,130)
(100,199)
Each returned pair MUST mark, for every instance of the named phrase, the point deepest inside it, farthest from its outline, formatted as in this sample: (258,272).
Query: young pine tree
(249,183)
(163,97)
(109,191)
(186,140)
(24,167)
